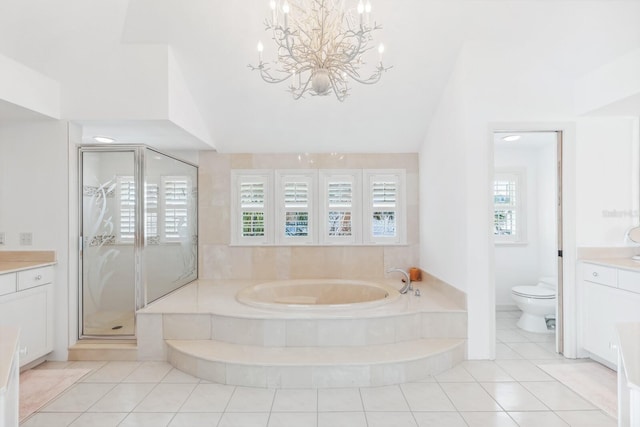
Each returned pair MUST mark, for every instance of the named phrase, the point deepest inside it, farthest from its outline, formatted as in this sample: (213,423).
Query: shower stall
(138,234)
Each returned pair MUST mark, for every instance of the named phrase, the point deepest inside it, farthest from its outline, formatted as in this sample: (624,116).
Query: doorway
(527,230)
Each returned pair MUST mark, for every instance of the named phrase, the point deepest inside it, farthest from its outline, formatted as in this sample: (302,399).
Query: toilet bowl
(537,303)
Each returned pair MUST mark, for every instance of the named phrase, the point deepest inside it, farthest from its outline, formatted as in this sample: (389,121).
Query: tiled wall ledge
(607,252)
(456,295)
(28,256)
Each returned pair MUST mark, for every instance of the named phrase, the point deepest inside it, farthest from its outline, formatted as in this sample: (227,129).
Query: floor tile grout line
(539,345)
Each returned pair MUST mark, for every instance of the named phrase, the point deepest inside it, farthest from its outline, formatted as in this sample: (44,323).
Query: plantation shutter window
(151,199)
(251,205)
(508,213)
(126,200)
(175,190)
(384,206)
(341,207)
(295,206)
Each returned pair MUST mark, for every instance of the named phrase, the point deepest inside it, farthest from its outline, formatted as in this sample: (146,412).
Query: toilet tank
(548,282)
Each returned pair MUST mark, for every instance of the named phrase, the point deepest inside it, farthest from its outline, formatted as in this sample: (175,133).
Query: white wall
(480,96)
(34,198)
(458,151)
(23,86)
(607,195)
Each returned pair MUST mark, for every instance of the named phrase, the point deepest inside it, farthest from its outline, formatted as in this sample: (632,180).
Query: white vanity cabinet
(610,295)
(26,302)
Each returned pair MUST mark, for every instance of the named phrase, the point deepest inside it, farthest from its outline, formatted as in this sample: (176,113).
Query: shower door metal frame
(137,172)
(140,282)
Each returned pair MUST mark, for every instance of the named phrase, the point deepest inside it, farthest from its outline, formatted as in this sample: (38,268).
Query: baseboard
(506,307)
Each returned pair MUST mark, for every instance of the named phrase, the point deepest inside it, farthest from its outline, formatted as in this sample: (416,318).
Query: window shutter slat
(296,195)
(252,195)
(340,194)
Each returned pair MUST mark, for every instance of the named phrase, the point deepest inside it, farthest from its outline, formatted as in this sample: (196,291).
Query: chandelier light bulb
(360,7)
(367,7)
(272,4)
(260,46)
(285,7)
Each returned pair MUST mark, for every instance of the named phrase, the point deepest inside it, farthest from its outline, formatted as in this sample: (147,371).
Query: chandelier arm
(374,78)
(355,50)
(286,45)
(266,75)
(301,90)
(341,95)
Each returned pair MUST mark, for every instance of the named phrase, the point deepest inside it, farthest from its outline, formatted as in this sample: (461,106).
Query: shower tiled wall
(220,260)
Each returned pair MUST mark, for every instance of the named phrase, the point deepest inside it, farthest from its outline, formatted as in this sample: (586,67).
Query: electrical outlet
(26,239)
(1,238)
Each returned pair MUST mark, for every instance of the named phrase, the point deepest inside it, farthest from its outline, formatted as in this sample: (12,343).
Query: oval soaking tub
(317,294)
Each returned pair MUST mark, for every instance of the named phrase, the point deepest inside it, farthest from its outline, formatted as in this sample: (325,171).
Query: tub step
(315,367)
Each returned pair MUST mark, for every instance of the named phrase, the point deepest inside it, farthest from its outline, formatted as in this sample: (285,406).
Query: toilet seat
(534,292)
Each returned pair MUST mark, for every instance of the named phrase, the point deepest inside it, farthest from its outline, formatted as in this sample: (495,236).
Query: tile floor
(510,391)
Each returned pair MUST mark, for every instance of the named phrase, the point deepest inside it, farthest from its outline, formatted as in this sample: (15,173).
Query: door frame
(566,317)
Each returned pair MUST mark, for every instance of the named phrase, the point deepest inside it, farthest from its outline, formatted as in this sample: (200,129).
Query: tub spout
(407,285)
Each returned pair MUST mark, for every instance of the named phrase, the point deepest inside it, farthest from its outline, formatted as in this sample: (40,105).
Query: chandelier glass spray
(320,46)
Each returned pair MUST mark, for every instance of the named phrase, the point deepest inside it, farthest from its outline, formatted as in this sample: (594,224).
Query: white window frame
(238,177)
(326,177)
(519,177)
(282,178)
(371,176)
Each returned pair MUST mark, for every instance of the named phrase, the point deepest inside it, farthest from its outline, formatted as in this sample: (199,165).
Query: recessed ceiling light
(511,138)
(104,139)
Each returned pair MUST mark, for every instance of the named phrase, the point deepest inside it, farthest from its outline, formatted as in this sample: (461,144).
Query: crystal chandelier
(320,46)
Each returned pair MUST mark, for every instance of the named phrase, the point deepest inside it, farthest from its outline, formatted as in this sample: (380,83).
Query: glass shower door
(108,254)
(171,224)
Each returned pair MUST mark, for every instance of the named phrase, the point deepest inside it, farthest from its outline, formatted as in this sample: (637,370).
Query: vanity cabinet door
(31,311)
(7,283)
(604,307)
(599,314)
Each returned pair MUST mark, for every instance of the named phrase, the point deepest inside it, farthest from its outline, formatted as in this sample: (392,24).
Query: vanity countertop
(8,345)
(629,337)
(13,266)
(12,261)
(624,263)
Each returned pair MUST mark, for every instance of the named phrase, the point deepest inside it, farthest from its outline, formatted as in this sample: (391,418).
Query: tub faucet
(407,285)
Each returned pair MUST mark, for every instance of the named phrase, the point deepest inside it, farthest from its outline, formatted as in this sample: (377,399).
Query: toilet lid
(535,292)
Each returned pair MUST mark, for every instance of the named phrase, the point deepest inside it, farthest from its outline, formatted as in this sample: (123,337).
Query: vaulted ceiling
(110,59)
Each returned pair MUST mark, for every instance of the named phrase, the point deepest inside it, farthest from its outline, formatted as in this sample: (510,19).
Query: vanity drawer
(34,277)
(7,283)
(599,274)
(629,280)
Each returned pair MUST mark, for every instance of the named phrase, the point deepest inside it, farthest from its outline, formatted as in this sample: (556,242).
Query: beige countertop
(8,346)
(629,337)
(625,263)
(12,261)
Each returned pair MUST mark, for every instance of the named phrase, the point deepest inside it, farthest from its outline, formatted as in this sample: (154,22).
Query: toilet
(537,304)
